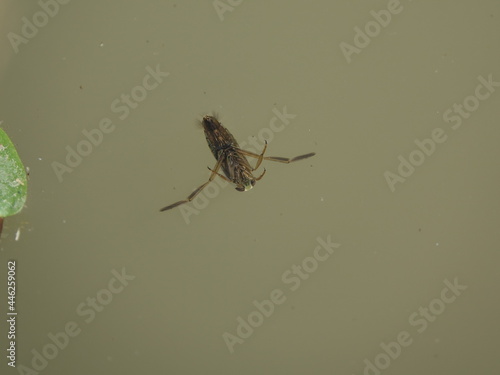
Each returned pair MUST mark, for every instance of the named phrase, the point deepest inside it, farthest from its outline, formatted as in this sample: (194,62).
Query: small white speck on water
(18,234)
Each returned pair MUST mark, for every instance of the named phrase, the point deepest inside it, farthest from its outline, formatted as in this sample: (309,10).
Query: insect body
(231,159)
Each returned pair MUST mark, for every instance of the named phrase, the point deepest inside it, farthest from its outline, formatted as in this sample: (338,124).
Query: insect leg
(275,158)
(220,175)
(259,157)
(289,160)
(262,175)
(259,160)
(198,190)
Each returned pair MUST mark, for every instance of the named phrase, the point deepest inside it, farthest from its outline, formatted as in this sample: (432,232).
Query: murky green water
(376,256)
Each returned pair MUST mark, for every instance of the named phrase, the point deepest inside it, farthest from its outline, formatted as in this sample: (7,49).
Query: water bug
(231,159)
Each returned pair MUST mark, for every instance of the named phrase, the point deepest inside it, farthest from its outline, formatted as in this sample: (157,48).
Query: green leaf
(13,182)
